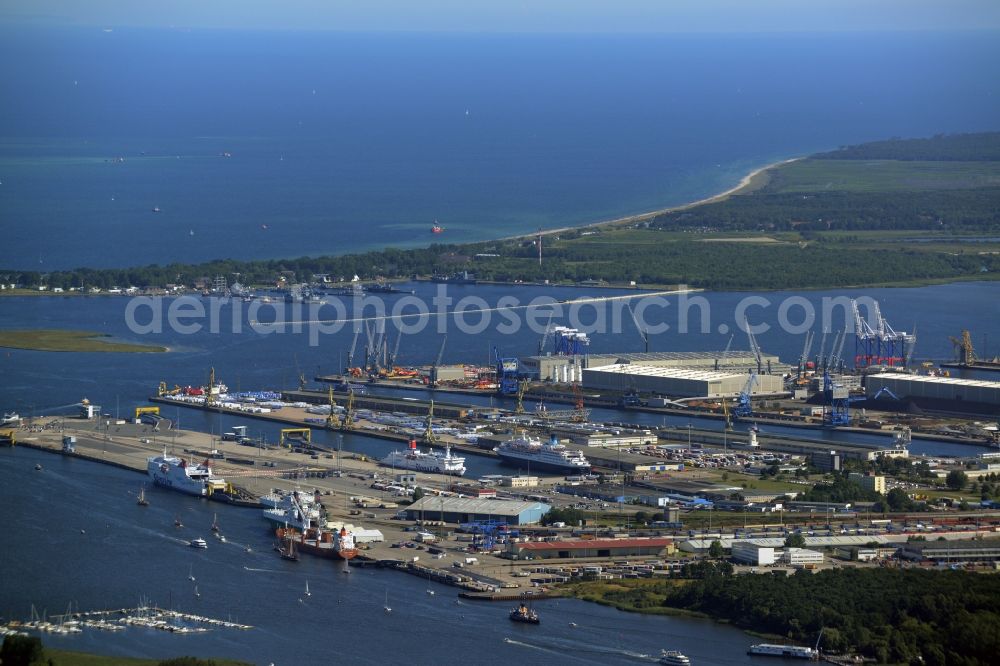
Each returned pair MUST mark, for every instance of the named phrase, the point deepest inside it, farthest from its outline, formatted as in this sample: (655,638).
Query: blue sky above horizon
(471,16)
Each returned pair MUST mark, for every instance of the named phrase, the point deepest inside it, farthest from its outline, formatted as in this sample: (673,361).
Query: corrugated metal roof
(670,373)
(926,379)
(593,544)
(474,505)
(779,542)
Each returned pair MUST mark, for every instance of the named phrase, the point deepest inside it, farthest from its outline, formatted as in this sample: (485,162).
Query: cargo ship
(176,474)
(313,541)
(551,456)
(786,651)
(431,461)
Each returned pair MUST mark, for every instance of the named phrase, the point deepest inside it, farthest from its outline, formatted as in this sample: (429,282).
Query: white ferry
(673,658)
(786,651)
(431,461)
(551,456)
(177,474)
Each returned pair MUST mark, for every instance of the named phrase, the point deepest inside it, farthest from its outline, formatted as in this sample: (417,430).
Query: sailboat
(288,551)
(191,573)
(308,593)
(177,522)
(386,608)
(142,501)
(215,522)
(196,592)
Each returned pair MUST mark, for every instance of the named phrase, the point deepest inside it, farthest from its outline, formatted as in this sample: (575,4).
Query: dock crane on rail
(332,422)
(350,353)
(546,334)
(643,333)
(744,407)
(391,360)
(755,349)
(521,388)
(836,403)
(433,380)
(723,360)
(966,352)
(507,368)
(429,436)
(806,348)
(348,422)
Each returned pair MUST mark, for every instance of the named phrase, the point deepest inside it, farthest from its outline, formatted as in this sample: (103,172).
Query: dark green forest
(905,616)
(930,617)
(964,147)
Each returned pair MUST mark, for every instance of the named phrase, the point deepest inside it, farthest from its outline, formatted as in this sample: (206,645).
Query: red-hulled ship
(436,229)
(336,544)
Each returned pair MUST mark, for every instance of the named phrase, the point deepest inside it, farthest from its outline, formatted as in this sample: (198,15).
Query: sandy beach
(745,182)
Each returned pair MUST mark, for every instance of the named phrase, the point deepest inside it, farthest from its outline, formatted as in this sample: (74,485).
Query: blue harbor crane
(569,341)
(879,344)
(744,407)
(836,403)
(507,368)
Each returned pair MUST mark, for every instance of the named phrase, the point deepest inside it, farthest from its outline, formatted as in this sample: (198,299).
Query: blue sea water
(344,142)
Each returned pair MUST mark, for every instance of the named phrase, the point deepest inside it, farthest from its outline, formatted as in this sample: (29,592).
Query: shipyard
(539,451)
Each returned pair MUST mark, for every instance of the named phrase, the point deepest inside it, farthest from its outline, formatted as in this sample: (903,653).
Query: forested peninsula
(894,616)
(895,212)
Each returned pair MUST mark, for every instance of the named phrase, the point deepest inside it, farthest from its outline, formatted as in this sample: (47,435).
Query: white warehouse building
(751,553)
(676,382)
(935,388)
(757,554)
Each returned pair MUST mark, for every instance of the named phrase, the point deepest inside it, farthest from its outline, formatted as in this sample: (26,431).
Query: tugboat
(525,614)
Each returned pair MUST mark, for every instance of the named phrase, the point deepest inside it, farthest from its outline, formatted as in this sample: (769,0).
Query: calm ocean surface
(347,142)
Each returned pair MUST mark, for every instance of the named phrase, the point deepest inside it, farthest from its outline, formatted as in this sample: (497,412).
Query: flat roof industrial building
(544,550)
(466,510)
(677,382)
(551,367)
(950,389)
(987,550)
